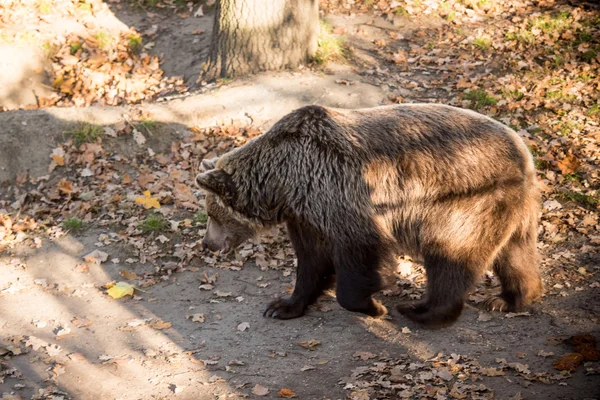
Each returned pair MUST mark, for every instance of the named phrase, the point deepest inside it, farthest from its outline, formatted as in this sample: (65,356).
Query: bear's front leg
(315,270)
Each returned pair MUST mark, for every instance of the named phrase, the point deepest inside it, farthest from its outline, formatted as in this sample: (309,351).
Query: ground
(97,201)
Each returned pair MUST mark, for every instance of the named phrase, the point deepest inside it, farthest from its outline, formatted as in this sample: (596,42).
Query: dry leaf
(568,362)
(260,390)
(243,326)
(58,156)
(364,355)
(286,393)
(160,324)
(196,317)
(129,275)
(309,344)
(96,257)
(569,165)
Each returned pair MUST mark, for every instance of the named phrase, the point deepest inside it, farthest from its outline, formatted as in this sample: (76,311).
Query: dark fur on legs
(358,271)
(315,274)
(448,283)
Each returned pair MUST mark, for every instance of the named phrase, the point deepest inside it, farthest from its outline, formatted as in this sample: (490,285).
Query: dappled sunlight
(58,299)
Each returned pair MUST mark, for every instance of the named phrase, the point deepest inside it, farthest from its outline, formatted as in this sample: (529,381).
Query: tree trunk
(260,35)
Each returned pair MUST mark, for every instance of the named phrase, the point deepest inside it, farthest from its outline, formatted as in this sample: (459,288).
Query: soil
(43,294)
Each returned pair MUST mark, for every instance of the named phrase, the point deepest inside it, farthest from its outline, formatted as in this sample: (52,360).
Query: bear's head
(226,228)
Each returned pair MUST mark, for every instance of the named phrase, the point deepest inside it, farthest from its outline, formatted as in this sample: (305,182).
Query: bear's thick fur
(356,188)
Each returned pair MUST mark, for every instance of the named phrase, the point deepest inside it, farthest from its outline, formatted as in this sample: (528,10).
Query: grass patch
(84,6)
(73,224)
(580,198)
(103,39)
(84,133)
(44,7)
(75,47)
(135,43)
(524,37)
(573,178)
(589,55)
(514,95)
(552,24)
(153,223)
(201,218)
(147,124)
(401,11)
(593,110)
(330,47)
(480,98)
(482,43)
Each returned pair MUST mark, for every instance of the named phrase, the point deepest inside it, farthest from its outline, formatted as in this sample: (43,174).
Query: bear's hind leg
(314,274)
(517,268)
(448,283)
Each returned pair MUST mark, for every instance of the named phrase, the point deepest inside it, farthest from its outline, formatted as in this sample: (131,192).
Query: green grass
(73,224)
(84,6)
(153,223)
(401,11)
(104,39)
(135,43)
(330,47)
(552,24)
(589,55)
(593,110)
(44,7)
(201,218)
(523,36)
(580,198)
(147,124)
(514,95)
(75,47)
(575,178)
(84,133)
(482,43)
(480,98)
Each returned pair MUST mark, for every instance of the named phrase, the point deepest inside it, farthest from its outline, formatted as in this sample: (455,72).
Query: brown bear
(356,188)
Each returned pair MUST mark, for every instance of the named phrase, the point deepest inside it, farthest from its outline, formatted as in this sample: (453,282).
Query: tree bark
(250,36)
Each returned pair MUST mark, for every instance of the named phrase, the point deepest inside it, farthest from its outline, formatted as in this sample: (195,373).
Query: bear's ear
(218,182)
(208,164)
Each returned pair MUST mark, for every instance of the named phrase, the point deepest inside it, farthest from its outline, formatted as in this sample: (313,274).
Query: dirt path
(194,329)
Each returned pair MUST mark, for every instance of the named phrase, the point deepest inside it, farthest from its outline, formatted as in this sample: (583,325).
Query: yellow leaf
(148,201)
(120,289)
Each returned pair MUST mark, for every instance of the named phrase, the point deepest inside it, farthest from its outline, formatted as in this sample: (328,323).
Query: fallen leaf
(568,362)
(568,165)
(129,275)
(196,317)
(147,201)
(58,156)
(260,390)
(139,137)
(309,344)
(120,289)
(286,393)
(243,326)
(96,257)
(160,324)
(364,355)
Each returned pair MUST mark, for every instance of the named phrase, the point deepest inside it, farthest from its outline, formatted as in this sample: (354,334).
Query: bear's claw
(284,308)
